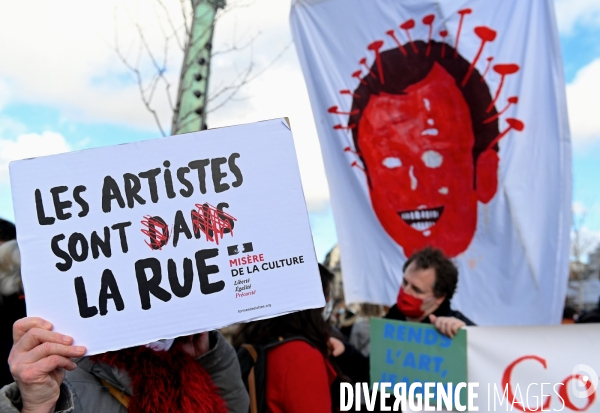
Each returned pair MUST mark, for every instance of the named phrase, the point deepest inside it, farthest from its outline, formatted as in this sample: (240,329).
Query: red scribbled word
(211,221)
(158,232)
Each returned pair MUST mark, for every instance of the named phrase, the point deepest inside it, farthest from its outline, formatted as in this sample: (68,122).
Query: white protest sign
(535,368)
(129,244)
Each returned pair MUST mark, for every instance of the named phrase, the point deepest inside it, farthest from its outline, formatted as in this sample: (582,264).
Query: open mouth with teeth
(421,219)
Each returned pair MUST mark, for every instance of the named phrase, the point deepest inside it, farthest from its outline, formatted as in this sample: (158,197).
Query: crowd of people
(291,363)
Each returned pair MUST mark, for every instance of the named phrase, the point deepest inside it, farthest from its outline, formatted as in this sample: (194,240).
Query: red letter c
(506,384)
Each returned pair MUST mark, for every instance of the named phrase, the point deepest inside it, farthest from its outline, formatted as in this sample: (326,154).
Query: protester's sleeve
(10,399)
(394,313)
(463,318)
(221,363)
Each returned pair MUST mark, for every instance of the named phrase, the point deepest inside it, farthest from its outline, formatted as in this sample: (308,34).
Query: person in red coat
(298,379)
(299,376)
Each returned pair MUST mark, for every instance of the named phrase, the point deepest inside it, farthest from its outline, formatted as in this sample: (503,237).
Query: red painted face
(417,150)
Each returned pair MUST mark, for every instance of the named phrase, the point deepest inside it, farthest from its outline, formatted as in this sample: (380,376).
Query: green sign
(403,352)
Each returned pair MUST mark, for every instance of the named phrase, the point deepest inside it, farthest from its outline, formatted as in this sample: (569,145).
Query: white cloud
(583,98)
(282,93)
(29,145)
(572,12)
(279,92)
(62,56)
(10,128)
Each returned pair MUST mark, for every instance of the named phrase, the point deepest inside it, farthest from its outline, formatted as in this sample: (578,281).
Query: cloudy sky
(63,87)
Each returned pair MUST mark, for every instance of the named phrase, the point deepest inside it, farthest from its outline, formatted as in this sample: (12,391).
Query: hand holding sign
(38,361)
(130,244)
(448,326)
(196,345)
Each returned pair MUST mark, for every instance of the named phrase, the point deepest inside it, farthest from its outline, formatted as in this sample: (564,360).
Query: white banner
(530,368)
(444,123)
(129,244)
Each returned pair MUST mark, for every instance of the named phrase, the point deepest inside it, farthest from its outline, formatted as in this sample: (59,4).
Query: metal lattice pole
(190,109)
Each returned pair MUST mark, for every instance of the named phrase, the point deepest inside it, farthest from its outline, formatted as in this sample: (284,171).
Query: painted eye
(432,159)
(392,163)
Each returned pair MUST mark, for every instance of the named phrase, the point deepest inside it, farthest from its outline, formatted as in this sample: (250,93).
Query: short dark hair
(446,273)
(306,323)
(8,230)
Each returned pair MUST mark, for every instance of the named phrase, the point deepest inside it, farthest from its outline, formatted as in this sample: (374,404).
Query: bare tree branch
(275,59)
(171,24)
(160,68)
(236,84)
(581,242)
(234,88)
(179,34)
(235,47)
(187,22)
(146,99)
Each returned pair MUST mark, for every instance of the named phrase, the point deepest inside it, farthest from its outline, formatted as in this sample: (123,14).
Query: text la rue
(418,398)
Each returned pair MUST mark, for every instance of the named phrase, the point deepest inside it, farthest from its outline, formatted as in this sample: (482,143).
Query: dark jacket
(443,310)
(592,316)
(12,308)
(82,391)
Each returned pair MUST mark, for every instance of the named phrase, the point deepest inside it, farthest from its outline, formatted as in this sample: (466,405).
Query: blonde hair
(10,269)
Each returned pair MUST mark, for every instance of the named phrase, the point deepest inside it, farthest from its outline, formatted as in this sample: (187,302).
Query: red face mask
(409,306)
